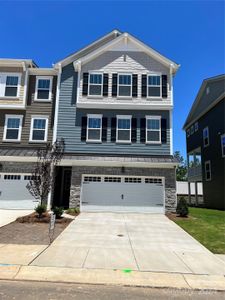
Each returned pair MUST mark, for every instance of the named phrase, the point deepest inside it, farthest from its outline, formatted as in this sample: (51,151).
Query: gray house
(205,138)
(115,113)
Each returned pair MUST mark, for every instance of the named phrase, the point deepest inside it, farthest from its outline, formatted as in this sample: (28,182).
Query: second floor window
(154,86)
(153,129)
(39,128)
(124,85)
(95,84)
(13,128)
(9,85)
(206,136)
(123,133)
(94,128)
(43,88)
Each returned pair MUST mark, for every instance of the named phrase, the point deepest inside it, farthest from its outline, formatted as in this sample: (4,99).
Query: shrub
(73,211)
(58,211)
(40,209)
(182,208)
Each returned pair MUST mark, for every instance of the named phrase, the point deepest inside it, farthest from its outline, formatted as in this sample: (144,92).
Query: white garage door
(122,194)
(13,192)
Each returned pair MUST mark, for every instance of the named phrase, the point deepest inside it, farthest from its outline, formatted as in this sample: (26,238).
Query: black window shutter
(163,130)
(134,130)
(83,129)
(144,86)
(104,129)
(113,129)
(164,86)
(134,85)
(105,84)
(114,85)
(143,131)
(85,84)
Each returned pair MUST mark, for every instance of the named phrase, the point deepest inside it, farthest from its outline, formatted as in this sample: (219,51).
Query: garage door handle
(122,196)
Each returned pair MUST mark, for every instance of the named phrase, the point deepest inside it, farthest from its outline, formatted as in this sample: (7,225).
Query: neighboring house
(27,100)
(205,137)
(115,113)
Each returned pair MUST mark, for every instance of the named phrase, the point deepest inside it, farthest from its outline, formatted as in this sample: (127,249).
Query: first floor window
(39,127)
(13,127)
(124,85)
(223,145)
(207,170)
(95,85)
(94,128)
(43,88)
(154,86)
(123,129)
(153,129)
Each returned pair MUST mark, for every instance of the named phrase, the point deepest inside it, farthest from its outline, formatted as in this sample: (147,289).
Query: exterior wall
(214,119)
(169,174)
(32,108)
(17,167)
(69,121)
(20,99)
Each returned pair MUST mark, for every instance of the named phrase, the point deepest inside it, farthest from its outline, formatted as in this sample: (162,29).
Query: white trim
(19,129)
(171,131)
(222,136)
(55,127)
(160,86)
(94,116)
(34,117)
(3,78)
(129,105)
(204,145)
(158,130)
(127,117)
(50,89)
(26,81)
(89,83)
(42,71)
(130,85)
(208,162)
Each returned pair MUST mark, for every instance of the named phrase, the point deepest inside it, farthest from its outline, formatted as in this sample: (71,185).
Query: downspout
(25,69)
(171,111)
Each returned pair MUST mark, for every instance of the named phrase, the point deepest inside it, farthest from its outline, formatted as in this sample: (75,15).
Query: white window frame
(222,136)
(50,88)
(160,129)
(118,84)
(206,128)
(89,83)
(127,117)
(208,162)
(160,86)
(34,117)
(95,116)
(19,129)
(3,78)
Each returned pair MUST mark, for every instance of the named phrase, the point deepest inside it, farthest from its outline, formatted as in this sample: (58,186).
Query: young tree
(42,178)
(181,172)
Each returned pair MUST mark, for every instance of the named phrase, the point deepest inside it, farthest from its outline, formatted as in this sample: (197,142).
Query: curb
(113,277)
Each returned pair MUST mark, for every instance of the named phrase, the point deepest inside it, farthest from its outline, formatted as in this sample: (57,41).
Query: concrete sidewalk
(110,277)
(10,215)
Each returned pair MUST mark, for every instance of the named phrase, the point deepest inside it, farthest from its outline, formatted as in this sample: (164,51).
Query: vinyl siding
(69,124)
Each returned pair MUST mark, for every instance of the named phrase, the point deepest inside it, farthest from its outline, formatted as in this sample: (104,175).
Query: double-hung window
(94,128)
(39,129)
(153,129)
(43,88)
(124,85)
(95,84)
(223,144)
(154,86)
(208,170)
(123,132)
(206,136)
(13,128)
(9,85)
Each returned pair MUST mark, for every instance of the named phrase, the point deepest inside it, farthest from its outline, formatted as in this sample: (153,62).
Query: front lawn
(207,226)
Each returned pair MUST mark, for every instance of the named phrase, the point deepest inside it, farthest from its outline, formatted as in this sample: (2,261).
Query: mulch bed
(31,230)
(174,217)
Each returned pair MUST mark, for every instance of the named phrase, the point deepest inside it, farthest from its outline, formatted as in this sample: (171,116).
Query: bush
(73,211)
(182,208)
(58,211)
(40,209)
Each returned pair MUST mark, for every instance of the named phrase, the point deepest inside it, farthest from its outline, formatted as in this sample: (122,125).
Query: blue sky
(192,33)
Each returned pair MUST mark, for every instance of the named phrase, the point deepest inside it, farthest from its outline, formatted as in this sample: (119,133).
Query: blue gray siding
(69,124)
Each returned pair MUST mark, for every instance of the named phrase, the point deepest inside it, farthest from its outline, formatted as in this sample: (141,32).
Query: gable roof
(194,114)
(108,41)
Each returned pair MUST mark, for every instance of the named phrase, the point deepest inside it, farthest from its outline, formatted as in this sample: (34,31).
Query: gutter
(57,104)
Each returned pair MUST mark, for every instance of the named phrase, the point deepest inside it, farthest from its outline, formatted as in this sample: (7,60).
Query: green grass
(207,226)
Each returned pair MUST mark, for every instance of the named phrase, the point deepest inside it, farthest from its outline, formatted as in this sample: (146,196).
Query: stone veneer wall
(169,174)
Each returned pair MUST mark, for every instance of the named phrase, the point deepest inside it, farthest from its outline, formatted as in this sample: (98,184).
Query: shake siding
(69,124)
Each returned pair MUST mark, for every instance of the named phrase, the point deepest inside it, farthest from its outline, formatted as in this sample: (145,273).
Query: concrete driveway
(144,242)
(9,215)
